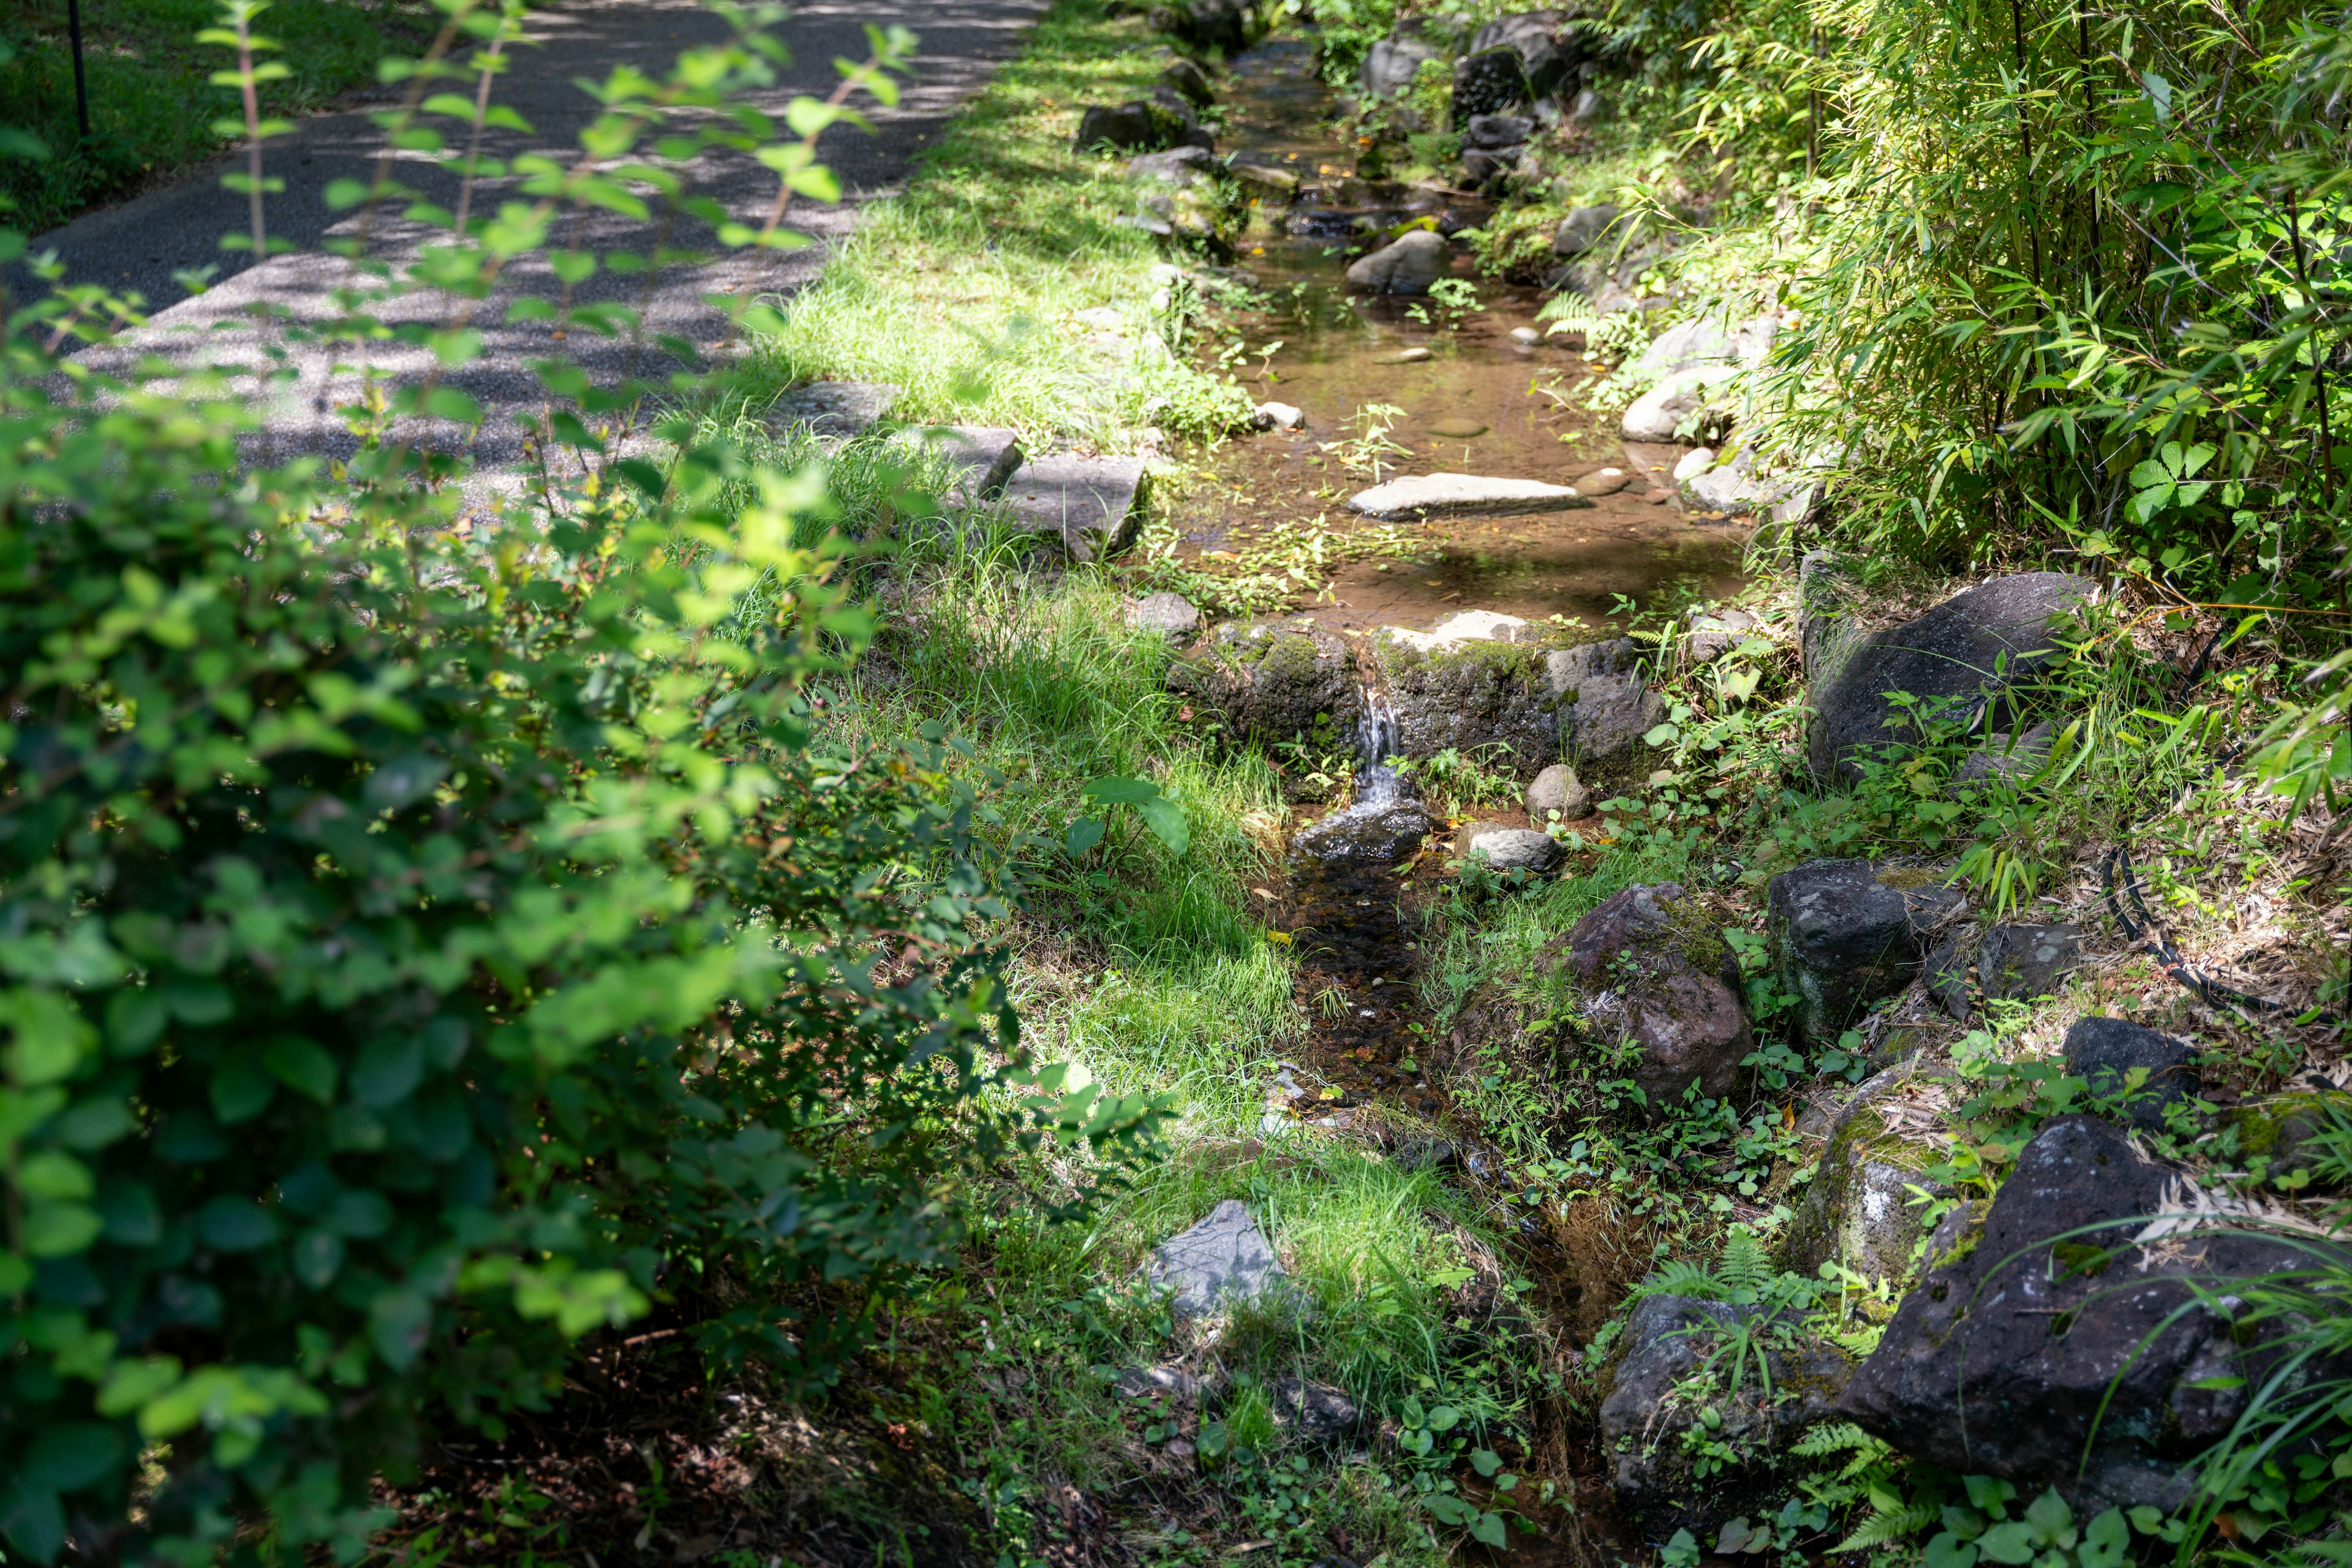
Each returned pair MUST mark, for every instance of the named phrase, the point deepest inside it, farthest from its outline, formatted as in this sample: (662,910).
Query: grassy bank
(152,96)
(998,288)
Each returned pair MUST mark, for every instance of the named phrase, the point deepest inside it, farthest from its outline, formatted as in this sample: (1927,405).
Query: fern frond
(1570,306)
(1880,1528)
(1832,1440)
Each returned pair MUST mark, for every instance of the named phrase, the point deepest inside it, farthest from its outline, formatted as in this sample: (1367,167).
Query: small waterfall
(1377,784)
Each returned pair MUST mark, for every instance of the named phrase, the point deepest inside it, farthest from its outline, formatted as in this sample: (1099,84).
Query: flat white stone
(1467,625)
(834,407)
(1462,495)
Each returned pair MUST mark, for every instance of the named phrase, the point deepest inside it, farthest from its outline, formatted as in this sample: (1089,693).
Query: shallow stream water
(1339,355)
(1472,400)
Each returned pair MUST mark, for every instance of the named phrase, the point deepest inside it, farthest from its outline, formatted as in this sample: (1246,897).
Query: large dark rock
(1858,1209)
(1373,833)
(1186,77)
(1223,26)
(1462,696)
(2021,963)
(2283,1130)
(1654,971)
(1269,679)
(1982,642)
(1544,42)
(1582,229)
(1139,126)
(2104,1051)
(1844,933)
(1492,82)
(1644,1416)
(2016,1342)
(1316,1412)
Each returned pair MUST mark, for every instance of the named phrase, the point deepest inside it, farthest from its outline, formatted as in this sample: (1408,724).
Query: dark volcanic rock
(1219,25)
(1488,83)
(1138,127)
(1605,704)
(1186,77)
(2015,1343)
(2102,1052)
(1270,678)
(1316,1412)
(1379,834)
(1982,641)
(1643,1418)
(1844,933)
(2021,962)
(1654,968)
(1543,40)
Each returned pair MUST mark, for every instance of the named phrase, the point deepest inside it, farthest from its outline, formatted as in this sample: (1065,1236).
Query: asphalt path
(139,245)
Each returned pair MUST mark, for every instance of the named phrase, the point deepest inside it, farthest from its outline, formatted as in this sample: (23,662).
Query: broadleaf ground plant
(427,943)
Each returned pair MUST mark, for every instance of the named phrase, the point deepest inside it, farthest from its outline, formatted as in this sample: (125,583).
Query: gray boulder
(1714,632)
(1408,264)
(2021,962)
(1844,933)
(1463,695)
(1172,616)
(1219,25)
(1498,130)
(1220,1264)
(1182,167)
(2046,1324)
(1186,77)
(1543,42)
(1508,848)
(1372,833)
(1646,1411)
(1390,65)
(1268,679)
(1736,488)
(2102,1052)
(1480,164)
(1654,971)
(1606,705)
(2008,755)
(1946,974)
(1589,107)
(1971,648)
(1858,1210)
(1138,126)
(1492,82)
(1418,496)
(1557,788)
(1582,229)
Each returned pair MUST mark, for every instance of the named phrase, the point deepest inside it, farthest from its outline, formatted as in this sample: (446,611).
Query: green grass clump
(966,290)
(151,101)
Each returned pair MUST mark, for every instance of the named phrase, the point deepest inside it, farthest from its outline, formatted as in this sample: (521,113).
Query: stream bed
(1467,396)
(1340,353)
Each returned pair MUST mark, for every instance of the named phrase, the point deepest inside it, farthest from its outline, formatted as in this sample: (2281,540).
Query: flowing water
(1340,355)
(1472,399)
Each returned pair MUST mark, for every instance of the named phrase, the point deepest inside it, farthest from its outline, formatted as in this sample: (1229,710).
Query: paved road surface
(139,245)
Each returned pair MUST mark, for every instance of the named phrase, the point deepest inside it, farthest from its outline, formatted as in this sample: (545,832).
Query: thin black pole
(81,88)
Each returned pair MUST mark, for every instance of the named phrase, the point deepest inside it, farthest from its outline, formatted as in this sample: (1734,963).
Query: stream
(1472,398)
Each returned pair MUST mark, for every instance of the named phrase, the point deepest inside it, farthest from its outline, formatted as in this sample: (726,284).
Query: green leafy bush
(426,945)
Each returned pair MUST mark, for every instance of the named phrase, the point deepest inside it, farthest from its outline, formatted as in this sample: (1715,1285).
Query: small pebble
(1527,335)
(1603,482)
(1659,497)
(1411,356)
(1458,429)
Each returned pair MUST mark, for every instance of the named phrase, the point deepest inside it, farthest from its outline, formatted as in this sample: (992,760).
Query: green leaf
(1485,1461)
(1444,1419)
(1165,817)
(236,1225)
(301,1065)
(2105,1540)
(2049,1516)
(72,1455)
(241,1087)
(2012,1541)
(32,1518)
(398,1324)
(1120,791)
(1489,1528)
(388,1070)
(56,1229)
(1449,1509)
(1084,833)
(1949,1551)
